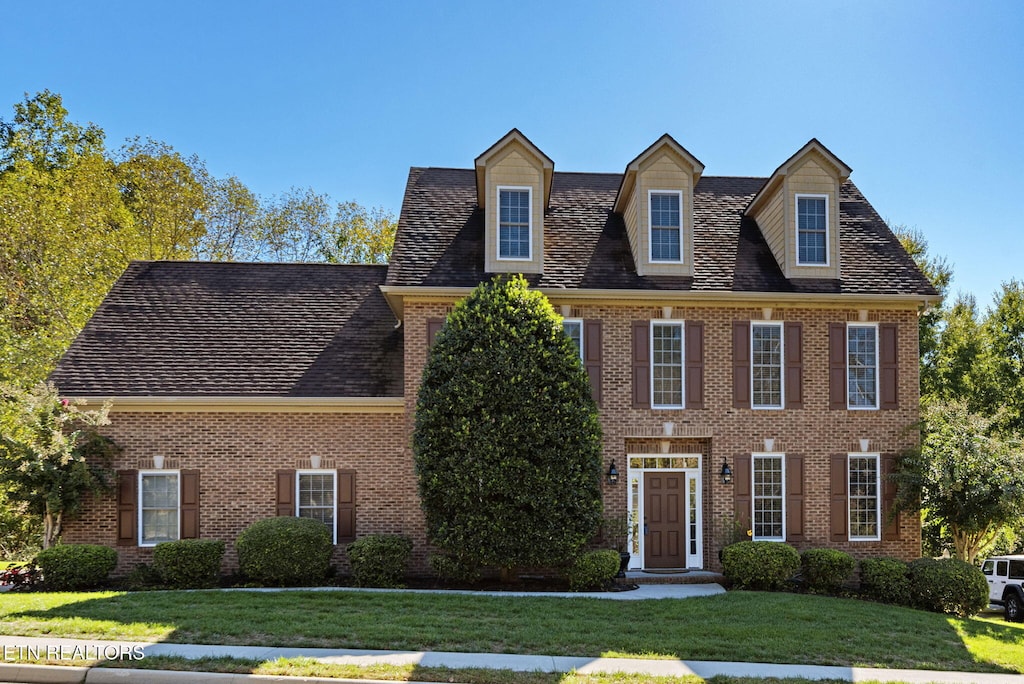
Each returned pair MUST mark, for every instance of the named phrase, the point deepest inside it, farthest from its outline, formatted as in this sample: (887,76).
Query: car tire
(1014,608)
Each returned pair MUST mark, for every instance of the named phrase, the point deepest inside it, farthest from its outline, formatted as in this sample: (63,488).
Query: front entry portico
(664,508)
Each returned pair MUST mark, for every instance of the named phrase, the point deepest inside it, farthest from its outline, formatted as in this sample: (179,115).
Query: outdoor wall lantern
(613,473)
(726,472)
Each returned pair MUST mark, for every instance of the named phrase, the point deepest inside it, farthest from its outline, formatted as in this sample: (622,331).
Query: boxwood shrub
(285,551)
(593,570)
(760,564)
(379,560)
(886,580)
(76,566)
(825,570)
(947,585)
(188,563)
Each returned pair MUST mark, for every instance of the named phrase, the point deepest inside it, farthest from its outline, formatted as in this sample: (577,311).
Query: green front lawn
(743,626)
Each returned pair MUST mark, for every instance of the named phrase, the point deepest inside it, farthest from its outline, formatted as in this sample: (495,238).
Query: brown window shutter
(891,529)
(127,511)
(286,492)
(693,372)
(641,364)
(837,366)
(838,513)
(741,364)
(794,498)
(592,357)
(888,365)
(190,504)
(346,506)
(434,326)
(794,365)
(741,482)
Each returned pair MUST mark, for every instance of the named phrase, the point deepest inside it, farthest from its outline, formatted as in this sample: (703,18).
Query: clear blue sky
(924,100)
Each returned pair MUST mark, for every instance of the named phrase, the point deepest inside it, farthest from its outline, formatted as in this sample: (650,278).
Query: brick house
(752,344)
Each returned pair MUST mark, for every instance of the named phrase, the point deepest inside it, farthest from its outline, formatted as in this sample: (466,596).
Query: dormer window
(514,223)
(812,230)
(666,225)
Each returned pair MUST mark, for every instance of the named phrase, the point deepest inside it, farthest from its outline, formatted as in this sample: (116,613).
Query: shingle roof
(238,329)
(440,240)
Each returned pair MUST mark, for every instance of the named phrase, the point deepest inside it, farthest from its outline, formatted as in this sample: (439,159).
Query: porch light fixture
(726,472)
(613,473)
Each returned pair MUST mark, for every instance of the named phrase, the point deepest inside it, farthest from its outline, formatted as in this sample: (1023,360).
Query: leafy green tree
(295,227)
(232,219)
(507,440)
(960,365)
(964,476)
(361,235)
(1004,328)
(51,455)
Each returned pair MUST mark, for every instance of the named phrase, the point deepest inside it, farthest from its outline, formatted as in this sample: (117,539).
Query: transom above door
(664,507)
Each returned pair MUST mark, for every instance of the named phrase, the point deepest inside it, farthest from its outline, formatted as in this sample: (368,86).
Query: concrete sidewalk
(10,646)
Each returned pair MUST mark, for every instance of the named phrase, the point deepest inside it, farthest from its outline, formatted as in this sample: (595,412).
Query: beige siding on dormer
(772,221)
(632,229)
(813,176)
(664,170)
(514,167)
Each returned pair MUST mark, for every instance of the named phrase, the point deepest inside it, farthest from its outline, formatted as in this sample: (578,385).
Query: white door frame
(637,465)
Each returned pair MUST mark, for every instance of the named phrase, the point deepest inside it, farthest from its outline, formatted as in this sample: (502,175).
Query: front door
(664,519)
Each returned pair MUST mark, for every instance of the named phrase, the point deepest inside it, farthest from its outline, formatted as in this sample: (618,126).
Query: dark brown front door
(664,508)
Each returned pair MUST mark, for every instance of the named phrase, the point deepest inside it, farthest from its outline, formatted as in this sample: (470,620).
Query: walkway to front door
(665,508)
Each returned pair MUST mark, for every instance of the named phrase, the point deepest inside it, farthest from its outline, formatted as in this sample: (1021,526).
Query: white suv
(1005,575)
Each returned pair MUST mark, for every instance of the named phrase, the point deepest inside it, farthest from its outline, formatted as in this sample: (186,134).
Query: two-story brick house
(751,344)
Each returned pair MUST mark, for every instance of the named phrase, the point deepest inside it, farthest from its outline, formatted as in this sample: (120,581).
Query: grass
(743,626)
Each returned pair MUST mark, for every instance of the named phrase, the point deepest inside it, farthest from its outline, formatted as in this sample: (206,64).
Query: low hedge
(285,551)
(379,560)
(76,566)
(759,564)
(825,570)
(188,563)
(947,585)
(886,580)
(593,570)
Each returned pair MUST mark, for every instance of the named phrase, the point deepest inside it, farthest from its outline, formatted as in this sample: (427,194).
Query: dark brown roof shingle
(238,329)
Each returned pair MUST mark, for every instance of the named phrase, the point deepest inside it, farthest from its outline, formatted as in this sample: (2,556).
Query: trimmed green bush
(379,560)
(825,570)
(285,551)
(593,570)
(453,569)
(76,566)
(886,580)
(760,565)
(947,585)
(188,563)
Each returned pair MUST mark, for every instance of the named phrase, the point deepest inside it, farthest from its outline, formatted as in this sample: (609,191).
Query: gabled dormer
(513,187)
(798,212)
(656,203)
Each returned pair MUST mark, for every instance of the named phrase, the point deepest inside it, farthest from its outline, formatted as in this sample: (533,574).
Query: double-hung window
(864,500)
(667,364)
(666,225)
(316,498)
(574,330)
(769,497)
(514,223)
(812,230)
(766,365)
(862,366)
(159,506)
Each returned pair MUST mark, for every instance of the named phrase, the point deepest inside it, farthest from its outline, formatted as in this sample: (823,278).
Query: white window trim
(497,222)
(828,231)
(753,498)
(583,342)
(682,348)
(878,374)
(334,478)
(878,497)
(650,228)
(177,518)
(782,366)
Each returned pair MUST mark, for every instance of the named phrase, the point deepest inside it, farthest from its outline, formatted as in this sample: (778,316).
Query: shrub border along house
(75,566)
